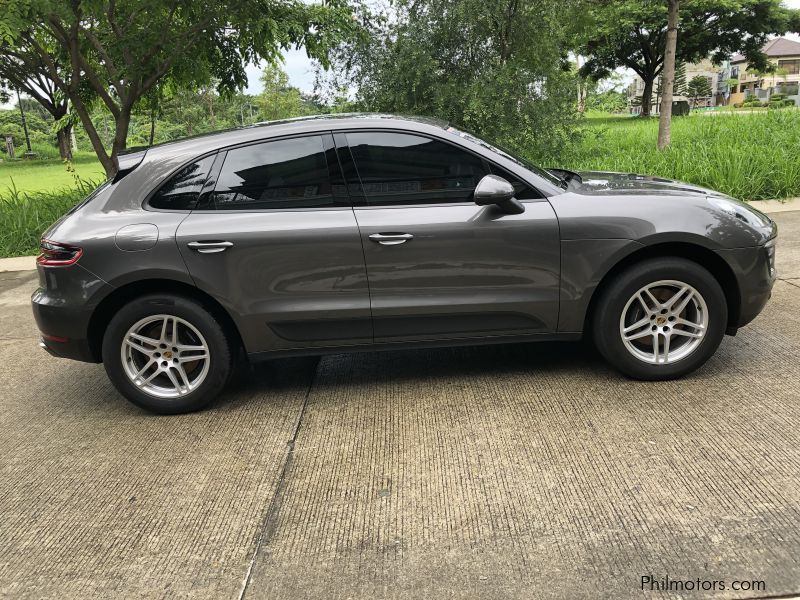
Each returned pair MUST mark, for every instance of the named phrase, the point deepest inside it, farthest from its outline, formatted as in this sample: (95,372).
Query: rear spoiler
(128,161)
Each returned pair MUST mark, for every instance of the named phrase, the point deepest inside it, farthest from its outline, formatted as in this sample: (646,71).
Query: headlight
(769,248)
(741,211)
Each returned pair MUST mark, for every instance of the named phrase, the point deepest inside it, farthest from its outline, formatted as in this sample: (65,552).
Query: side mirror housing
(493,189)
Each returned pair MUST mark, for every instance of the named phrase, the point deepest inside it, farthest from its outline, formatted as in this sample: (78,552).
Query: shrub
(24,216)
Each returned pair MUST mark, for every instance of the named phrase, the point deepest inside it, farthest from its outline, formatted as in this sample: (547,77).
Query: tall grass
(25,215)
(749,156)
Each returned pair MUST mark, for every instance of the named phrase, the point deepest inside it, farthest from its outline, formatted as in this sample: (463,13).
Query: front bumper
(754,269)
(63,306)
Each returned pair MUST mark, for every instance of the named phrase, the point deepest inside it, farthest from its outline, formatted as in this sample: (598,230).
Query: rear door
(439,266)
(274,239)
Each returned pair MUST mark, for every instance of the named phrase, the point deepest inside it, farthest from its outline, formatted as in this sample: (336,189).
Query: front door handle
(209,247)
(391,239)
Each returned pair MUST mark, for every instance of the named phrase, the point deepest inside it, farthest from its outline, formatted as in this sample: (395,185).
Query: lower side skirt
(481,341)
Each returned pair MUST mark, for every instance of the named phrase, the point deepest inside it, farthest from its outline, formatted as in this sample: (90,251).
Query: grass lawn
(47,175)
(751,156)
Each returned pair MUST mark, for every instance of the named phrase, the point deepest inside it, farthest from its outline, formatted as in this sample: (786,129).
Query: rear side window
(183,189)
(399,168)
(290,173)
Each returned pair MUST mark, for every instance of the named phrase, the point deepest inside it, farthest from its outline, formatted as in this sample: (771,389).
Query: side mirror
(493,189)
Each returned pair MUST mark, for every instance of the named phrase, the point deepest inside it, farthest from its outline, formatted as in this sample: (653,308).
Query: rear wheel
(167,354)
(660,319)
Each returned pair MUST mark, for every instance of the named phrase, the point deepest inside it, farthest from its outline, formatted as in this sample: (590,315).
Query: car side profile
(364,232)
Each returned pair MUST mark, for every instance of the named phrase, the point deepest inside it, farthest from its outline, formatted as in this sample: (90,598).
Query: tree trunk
(65,142)
(668,75)
(109,162)
(581,87)
(121,125)
(647,96)
(152,126)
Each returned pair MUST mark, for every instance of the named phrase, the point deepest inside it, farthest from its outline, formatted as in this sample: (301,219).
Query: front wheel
(660,319)
(167,354)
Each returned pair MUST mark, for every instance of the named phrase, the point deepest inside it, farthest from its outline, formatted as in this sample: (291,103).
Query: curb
(18,263)
(28,263)
(776,206)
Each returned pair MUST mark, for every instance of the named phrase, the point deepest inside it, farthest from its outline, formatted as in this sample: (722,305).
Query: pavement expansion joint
(270,521)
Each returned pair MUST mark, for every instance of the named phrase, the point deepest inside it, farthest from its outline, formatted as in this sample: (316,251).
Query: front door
(439,266)
(277,244)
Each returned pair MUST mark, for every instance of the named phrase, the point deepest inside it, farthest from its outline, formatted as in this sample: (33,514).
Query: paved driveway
(500,472)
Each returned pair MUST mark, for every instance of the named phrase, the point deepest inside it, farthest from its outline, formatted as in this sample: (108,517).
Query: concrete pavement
(527,471)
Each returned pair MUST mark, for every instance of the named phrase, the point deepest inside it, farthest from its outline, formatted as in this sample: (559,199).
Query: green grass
(753,156)
(25,215)
(36,193)
(47,175)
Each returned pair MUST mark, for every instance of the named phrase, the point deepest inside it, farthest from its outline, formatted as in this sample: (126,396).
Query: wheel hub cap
(664,322)
(165,356)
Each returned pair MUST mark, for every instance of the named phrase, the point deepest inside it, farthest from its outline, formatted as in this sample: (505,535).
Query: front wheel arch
(701,255)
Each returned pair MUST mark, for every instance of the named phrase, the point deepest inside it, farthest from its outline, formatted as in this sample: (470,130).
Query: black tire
(219,350)
(614,297)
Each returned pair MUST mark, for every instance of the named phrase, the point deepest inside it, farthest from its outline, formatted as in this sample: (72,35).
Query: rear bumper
(63,306)
(754,269)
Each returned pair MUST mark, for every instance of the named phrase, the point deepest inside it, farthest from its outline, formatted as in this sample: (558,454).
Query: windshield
(506,154)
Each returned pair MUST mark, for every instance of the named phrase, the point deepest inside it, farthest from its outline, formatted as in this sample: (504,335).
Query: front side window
(399,168)
(183,189)
(290,173)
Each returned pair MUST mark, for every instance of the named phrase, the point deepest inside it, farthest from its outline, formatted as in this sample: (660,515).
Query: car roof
(305,124)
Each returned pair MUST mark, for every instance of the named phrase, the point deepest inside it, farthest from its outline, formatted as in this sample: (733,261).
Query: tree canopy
(498,69)
(121,50)
(632,34)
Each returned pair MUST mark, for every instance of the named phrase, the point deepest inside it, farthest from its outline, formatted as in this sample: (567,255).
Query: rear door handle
(391,239)
(209,247)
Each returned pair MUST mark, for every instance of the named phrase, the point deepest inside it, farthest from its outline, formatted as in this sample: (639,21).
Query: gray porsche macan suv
(365,232)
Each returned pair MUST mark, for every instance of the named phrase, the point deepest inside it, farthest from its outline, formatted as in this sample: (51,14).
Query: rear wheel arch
(701,255)
(107,308)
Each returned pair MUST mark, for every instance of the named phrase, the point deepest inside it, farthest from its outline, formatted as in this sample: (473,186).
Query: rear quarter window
(182,190)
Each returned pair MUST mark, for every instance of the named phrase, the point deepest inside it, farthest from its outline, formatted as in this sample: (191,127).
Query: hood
(603,182)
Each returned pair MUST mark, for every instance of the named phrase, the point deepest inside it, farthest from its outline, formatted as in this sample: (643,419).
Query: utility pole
(29,153)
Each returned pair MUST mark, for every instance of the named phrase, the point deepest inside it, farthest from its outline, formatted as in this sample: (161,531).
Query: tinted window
(281,174)
(183,189)
(522,191)
(397,168)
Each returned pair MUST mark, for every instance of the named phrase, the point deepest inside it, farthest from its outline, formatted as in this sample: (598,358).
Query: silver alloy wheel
(165,356)
(664,322)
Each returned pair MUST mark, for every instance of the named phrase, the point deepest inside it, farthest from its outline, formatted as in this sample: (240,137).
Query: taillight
(56,254)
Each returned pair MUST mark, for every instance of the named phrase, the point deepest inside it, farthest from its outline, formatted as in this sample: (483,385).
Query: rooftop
(774,49)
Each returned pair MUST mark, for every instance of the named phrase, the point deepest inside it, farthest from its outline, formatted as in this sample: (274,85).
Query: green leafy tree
(39,130)
(632,34)
(698,87)
(24,70)
(680,85)
(279,100)
(121,50)
(498,69)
